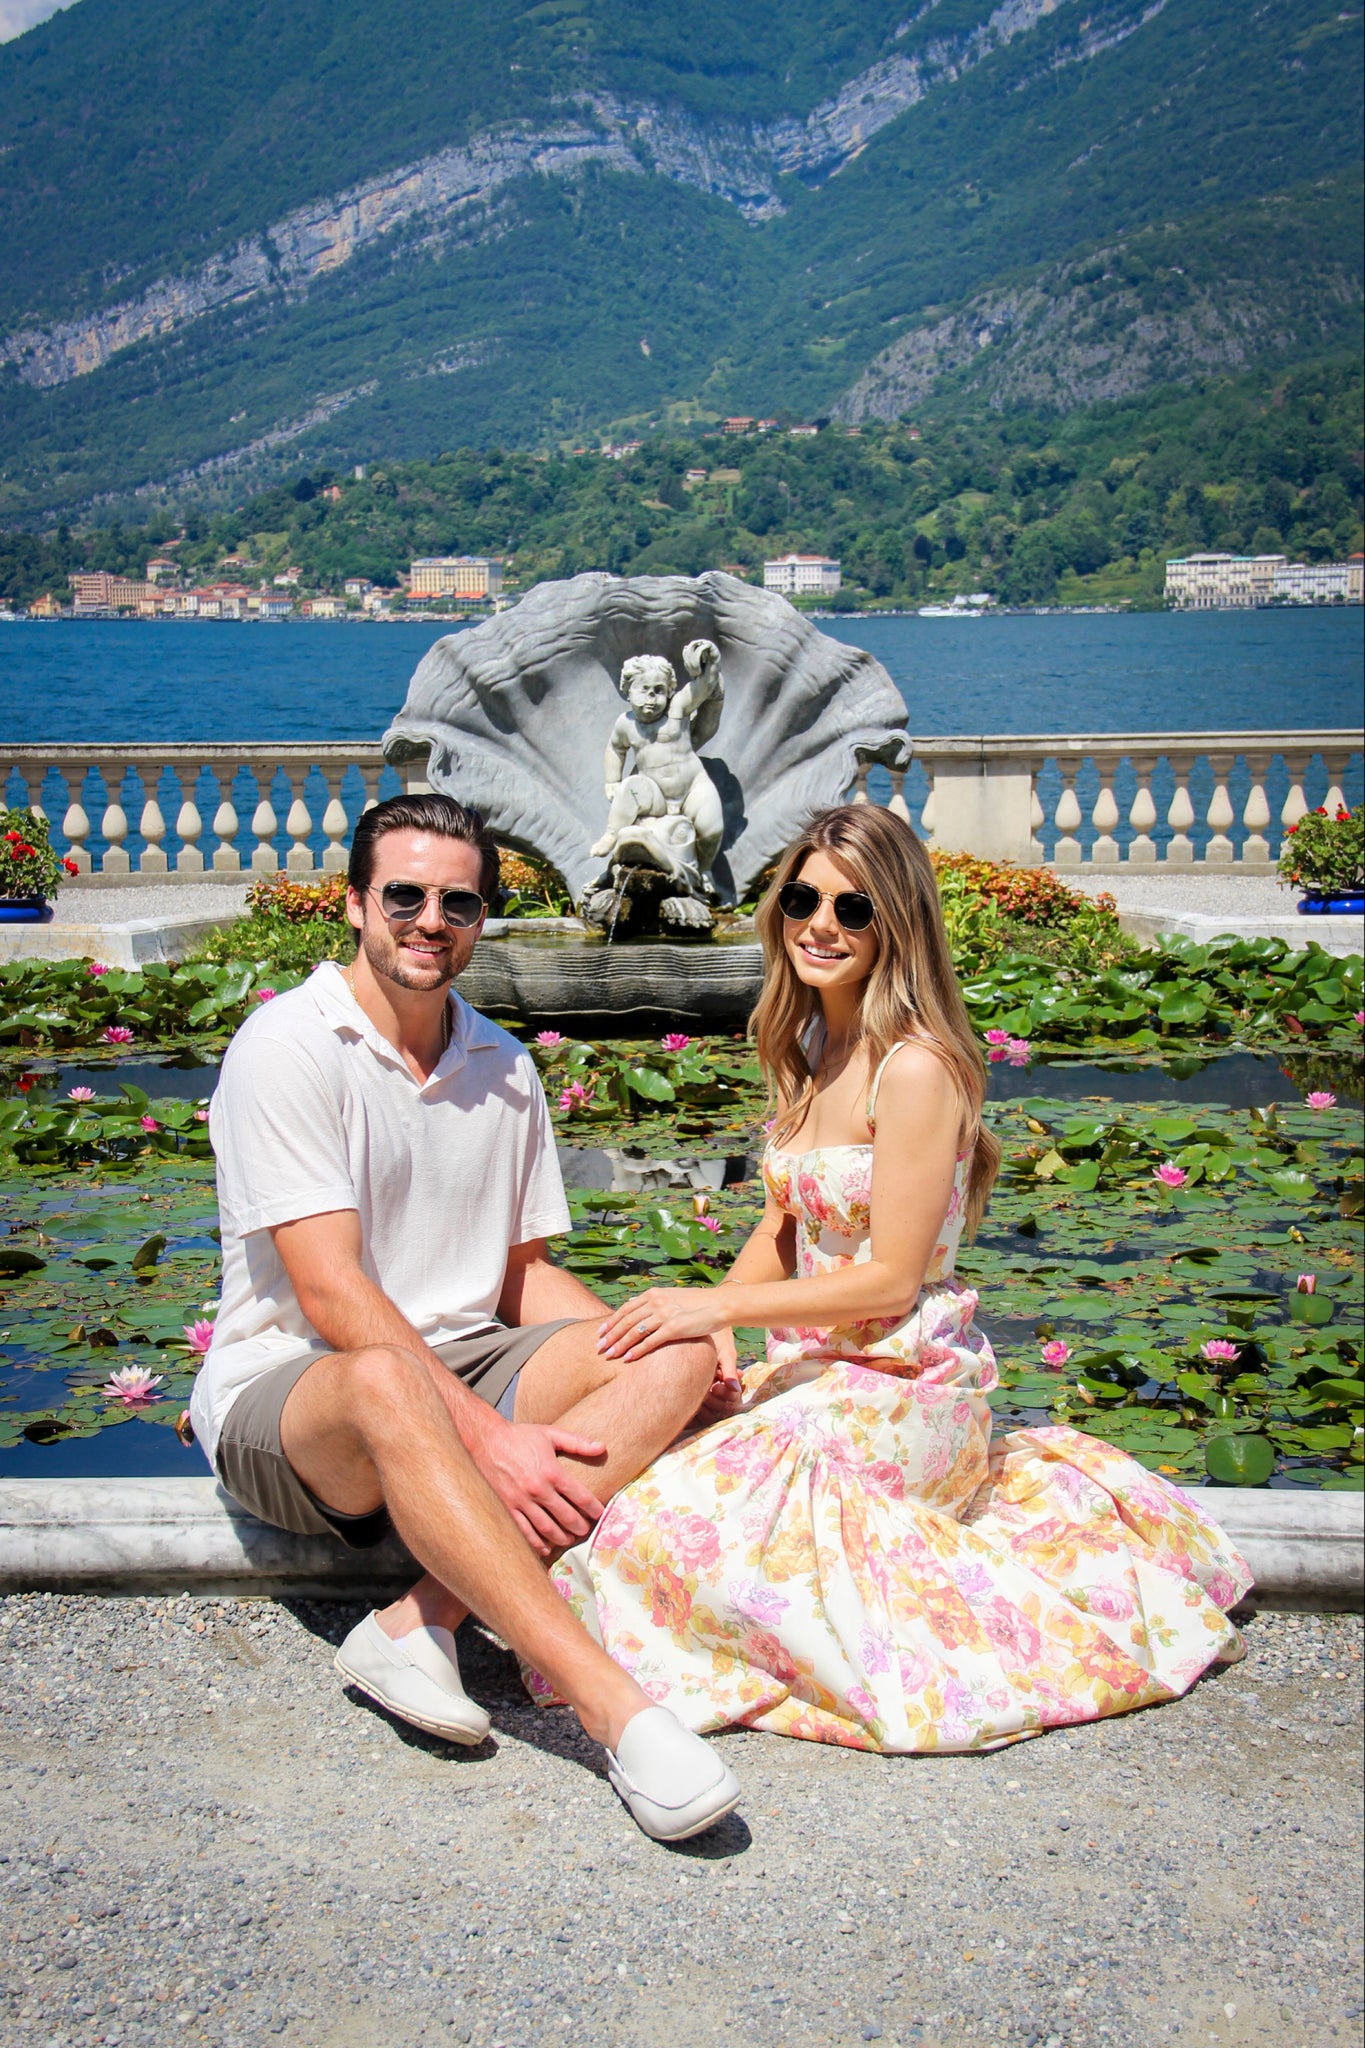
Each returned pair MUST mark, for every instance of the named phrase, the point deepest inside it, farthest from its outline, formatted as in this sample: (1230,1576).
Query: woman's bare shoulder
(917,1080)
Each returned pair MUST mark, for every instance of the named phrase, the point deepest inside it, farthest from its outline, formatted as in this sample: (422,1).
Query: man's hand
(551,1506)
(726,1391)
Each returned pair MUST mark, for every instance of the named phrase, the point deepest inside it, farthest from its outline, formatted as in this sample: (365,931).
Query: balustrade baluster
(370,778)
(1105,816)
(860,784)
(1220,852)
(1334,800)
(1067,852)
(114,826)
(926,816)
(226,825)
(1142,817)
(189,827)
(76,823)
(1296,803)
(334,824)
(299,823)
(1180,817)
(264,823)
(152,826)
(898,805)
(1256,815)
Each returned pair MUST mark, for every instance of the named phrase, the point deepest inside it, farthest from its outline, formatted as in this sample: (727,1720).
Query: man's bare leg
(365,1427)
(636,1410)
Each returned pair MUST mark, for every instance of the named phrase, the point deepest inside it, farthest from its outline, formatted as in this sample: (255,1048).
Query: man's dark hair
(430,813)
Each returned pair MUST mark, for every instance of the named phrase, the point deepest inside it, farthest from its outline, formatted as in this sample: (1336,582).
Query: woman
(842,1554)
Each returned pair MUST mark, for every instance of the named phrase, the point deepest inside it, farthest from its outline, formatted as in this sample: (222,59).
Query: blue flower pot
(34,911)
(1316,903)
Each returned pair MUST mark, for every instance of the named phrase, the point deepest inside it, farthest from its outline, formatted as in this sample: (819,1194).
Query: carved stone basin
(583,985)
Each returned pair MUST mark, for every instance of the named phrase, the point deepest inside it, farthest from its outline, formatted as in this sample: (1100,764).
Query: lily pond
(1171,1258)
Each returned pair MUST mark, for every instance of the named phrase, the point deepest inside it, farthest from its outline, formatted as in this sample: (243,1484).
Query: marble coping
(186,1535)
(1339,935)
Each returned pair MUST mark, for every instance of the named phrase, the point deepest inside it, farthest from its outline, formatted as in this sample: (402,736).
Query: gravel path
(223,900)
(206,1840)
(1208,893)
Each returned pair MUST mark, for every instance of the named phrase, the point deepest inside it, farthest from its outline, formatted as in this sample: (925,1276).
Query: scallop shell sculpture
(514,715)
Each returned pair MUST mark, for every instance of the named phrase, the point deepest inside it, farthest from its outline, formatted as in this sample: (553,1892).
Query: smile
(814,951)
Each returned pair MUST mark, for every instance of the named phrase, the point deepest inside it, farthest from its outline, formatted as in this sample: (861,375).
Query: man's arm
(551,1506)
(537,1291)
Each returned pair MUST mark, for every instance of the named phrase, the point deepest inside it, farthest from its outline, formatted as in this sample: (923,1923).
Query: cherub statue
(667,812)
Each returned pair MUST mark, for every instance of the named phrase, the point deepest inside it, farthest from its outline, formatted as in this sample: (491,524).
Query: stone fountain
(658,740)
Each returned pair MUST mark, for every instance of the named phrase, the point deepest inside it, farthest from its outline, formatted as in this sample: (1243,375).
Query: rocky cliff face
(741,165)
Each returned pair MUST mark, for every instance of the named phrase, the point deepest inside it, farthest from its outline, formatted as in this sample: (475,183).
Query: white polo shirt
(315,1111)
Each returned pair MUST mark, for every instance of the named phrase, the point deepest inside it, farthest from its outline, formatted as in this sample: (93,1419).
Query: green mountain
(237,237)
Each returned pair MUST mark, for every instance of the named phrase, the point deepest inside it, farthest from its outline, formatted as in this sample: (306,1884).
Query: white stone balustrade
(1097,801)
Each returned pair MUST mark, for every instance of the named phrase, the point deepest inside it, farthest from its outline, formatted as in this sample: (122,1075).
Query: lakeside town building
(803,576)
(1223,582)
(467,576)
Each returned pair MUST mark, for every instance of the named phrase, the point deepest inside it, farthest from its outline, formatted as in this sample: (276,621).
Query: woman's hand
(664,1315)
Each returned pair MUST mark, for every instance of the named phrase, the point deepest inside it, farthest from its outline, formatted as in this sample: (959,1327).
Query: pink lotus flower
(549,1040)
(1056,1354)
(1360,1016)
(1170,1175)
(1219,1351)
(80,1094)
(575,1096)
(1321,1098)
(676,1041)
(117,1034)
(149,1123)
(264,995)
(709,1223)
(997,1038)
(201,1116)
(133,1386)
(996,1054)
(1307,1283)
(96,967)
(199,1336)
(1020,1052)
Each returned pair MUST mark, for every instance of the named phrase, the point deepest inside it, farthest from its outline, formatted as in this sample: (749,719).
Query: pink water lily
(575,1096)
(550,1040)
(701,1202)
(1020,1051)
(1321,1098)
(133,1386)
(709,1222)
(117,1034)
(199,1336)
(80,1094)
(1170,1175)
(1219,1350)
(1360,1016)
(1307,1283)
(149,1123)
(997,1038)
(996,1054)
(1056,1354)
(264,995)
(96,968)
(201,1116)
(676,1041)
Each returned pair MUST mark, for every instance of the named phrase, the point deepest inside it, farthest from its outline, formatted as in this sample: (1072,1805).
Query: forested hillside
(352,231)
(1028,505)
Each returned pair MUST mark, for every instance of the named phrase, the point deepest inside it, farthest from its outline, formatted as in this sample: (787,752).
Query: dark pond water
(1240,1080)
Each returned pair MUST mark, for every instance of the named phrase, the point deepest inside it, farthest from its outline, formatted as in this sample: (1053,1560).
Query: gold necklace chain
(447,1021)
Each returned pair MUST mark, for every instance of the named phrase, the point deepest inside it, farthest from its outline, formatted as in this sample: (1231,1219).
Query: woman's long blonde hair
(912,991)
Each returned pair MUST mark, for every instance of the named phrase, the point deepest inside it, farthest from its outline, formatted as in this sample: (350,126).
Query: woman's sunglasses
(800,900)
(401,902)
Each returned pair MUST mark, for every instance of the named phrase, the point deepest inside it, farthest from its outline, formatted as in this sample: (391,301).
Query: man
(394,1344)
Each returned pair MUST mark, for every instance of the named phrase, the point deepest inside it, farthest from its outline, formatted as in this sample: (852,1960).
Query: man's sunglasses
(800,901)
(403,902)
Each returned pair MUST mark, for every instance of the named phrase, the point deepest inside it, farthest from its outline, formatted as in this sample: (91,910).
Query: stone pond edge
(126,1536)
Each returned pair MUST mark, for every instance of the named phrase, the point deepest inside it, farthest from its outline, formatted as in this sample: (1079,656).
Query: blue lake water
(1148,672)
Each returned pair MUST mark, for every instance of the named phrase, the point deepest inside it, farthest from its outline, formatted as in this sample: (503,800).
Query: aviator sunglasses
(402,902)
(800,901)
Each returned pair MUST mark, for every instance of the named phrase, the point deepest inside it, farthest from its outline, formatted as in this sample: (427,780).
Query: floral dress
(850,1559)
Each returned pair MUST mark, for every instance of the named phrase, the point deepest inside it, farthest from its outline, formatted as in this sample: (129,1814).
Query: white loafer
(417,1678)
(674,1784)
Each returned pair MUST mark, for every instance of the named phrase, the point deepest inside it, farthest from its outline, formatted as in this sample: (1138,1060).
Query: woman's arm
(913,1162)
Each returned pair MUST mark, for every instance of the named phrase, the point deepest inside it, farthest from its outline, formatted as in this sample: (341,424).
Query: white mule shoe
(673,1783)
(417,1678)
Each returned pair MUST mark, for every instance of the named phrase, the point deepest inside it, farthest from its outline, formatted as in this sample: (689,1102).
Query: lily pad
(1239,1460)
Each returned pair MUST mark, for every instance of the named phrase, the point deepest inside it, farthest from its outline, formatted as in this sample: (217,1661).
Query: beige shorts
(251,1463)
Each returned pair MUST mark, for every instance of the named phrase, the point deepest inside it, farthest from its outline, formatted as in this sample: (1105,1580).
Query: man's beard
(382,952)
